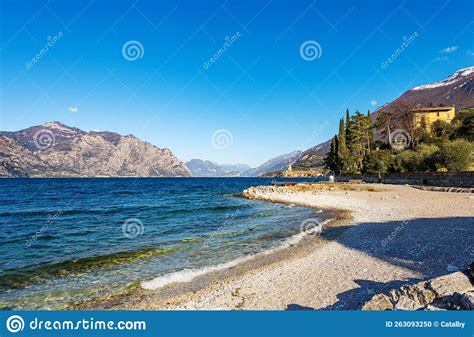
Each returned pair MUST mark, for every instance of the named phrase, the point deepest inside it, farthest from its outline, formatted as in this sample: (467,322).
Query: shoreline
(166,297)
(341,268)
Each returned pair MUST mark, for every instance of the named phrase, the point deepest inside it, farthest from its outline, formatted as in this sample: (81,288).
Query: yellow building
(428,116)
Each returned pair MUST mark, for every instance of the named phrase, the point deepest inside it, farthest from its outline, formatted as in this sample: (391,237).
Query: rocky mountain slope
(207,168)
(55,149)
(457,89)
(275,164)
(313,157)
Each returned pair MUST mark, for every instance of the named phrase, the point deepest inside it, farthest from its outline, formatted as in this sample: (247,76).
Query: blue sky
(259,96)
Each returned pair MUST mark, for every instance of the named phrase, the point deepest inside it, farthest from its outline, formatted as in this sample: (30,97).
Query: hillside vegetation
(363,146)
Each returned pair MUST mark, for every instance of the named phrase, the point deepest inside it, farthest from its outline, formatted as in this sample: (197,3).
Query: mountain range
(457,89)
(57,150)
(207,168)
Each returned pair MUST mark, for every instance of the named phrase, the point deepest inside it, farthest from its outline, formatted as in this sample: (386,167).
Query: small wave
(225,234)
(188,240)
(262,215)
(236,194)
(195,210)
(187,275)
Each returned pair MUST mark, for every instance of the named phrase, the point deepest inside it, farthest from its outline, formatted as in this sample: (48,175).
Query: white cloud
(470,53)
(441,58)
(73,109)
(373,102)
(449,50)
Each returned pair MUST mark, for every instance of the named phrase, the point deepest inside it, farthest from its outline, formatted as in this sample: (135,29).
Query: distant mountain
(275,164)
(57,150)
(457,89)
(206,168)
(313,157)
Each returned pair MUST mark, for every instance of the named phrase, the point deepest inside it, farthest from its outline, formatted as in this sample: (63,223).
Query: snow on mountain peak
(449,80)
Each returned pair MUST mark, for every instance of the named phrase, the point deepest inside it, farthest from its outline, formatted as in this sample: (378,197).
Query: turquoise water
(66,240)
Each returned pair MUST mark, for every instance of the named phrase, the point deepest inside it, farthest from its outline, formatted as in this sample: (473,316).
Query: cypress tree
(370,133)
(358,139)
(342,136)
(348,119)
(331,157)
(342,146)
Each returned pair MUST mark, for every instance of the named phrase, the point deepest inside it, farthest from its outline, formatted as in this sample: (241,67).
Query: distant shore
(382,236)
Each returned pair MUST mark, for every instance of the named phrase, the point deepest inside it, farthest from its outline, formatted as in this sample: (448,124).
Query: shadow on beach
(429,246)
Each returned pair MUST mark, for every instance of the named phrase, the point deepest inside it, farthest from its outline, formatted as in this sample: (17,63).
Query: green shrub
(425,158)
(464,123)
(378,162)
(456,155)
(442,129)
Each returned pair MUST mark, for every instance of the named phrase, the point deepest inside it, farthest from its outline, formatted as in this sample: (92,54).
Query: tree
(348,119)
(384,124)
(369,131)
(378,162)
(464,123)
(331,160)
(342,146)
(406,117)
(357,140)
(342,135)
(457,155)
(442,130)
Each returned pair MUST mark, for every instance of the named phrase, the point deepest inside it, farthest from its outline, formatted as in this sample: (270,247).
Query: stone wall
(450,179)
